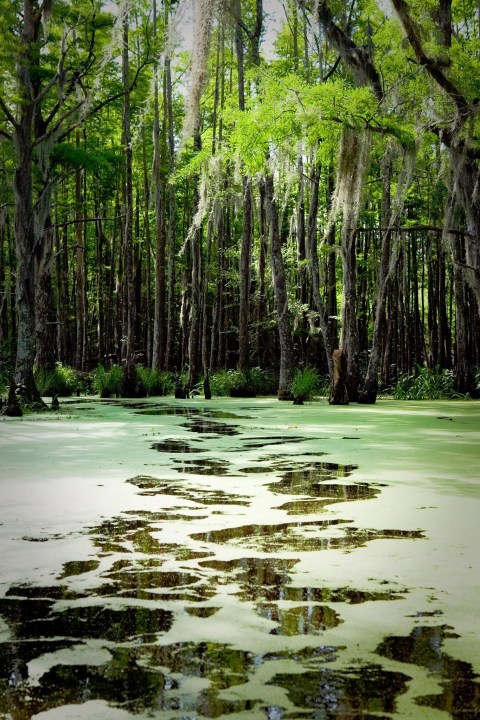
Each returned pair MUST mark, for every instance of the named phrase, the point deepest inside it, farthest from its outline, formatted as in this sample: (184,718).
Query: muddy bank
(240,559)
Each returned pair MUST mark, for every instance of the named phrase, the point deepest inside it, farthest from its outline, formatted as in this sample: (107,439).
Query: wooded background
(220,206)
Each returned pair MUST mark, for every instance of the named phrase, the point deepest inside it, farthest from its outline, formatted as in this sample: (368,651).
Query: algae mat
(240,559)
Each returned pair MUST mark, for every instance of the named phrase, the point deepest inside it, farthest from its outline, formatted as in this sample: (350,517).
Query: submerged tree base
(338,392)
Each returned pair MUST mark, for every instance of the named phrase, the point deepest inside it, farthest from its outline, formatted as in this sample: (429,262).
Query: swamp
(208,207)
(242,558)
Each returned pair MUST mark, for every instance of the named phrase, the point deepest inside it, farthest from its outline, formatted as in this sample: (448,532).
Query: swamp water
(240,559)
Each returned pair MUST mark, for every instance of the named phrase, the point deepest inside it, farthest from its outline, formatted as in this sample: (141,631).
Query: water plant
(108,382)
(155,382)
(426,384)
(61,380)
(304,384)
(238,383)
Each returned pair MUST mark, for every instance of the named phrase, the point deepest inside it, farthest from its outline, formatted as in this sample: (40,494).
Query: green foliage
(257,381)
(305,384)
(62,380)
(108,382)
(427,384)
(155,382)
(73,157)
(3,381)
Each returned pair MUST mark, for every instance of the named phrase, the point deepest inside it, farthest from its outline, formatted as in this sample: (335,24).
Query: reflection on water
(203,467)
(460,695)
(311,479)
(206,427)
(154,486)
(352,694)
(300,620)
(302,536)
(176,446)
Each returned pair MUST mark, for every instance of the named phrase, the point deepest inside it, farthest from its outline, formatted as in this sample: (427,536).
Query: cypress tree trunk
(44,336)
(245,249)
(130,385)
(314,268)
(280,288)
(244,309)
(171,315)
(194,338)
(26,235)
(80,280)
(464,381)
(261,309)
(160,320)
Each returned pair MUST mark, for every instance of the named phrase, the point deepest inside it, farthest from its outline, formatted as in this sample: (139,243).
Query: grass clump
(108,382)
(155,382)
(238,383)
(426,384)
(304,385)
(62,380)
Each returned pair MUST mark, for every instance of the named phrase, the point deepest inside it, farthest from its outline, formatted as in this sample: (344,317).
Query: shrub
(108,382)
(62,380)
(426,384)
(304,384)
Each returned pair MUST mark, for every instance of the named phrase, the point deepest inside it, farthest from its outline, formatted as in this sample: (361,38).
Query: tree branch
(430,64)
(7,113)
(357,58)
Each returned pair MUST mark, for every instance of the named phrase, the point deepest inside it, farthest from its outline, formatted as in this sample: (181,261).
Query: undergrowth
(61,380)
(255,381)
(305,384)
(426,384)
(155,382)
(108,382)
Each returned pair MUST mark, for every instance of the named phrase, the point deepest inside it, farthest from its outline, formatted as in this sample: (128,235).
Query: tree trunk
(464,381)
(80,284)
(314,268)
(170,338)
(25,232)
(44,336)
(194,348)
(130,384)
(280,289)
(160,321)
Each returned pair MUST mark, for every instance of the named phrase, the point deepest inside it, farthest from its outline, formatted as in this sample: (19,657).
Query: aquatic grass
(155,382)
(304,384)
(239,383)
(108,382)
(61,380)
(426,384)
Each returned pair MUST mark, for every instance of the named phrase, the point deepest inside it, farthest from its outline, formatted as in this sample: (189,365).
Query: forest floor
(241,559)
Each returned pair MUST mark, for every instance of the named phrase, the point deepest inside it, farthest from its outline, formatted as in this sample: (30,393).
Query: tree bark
(160,320)
(130,384)
(280,289)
